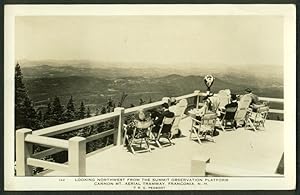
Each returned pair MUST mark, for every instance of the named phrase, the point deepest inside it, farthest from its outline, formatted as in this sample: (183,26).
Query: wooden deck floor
(242,149)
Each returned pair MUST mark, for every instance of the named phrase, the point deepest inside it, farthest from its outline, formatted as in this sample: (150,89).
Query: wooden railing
(76,146)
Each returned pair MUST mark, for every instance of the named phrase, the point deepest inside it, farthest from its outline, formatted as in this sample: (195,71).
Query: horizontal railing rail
(66,127)
(76,146)
(276,111)
(100,135)
(143,107)
(47,141)
(47,164)
(278,100)
(47,152)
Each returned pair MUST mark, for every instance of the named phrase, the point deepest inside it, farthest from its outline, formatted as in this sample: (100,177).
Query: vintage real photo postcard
(150,97)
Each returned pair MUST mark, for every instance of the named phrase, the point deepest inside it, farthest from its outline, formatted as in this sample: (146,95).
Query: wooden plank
(276,111)
(186,96)
(47,141)
(47,152)
(47,165)
(77,156)
(271,99)
(66,127)
(23,151)
(119,123)
(100,135)
(143,107)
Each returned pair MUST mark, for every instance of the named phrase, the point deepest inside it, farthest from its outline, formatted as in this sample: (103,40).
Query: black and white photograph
(139,98)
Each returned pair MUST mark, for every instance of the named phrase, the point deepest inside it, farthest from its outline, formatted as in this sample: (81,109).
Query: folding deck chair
(164,131)
(138,135)
(179,112)
(222,98)
(228,119)
(204,128)
(243,109)
(257,119)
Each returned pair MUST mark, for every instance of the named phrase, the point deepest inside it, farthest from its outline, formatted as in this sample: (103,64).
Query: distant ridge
(273,74)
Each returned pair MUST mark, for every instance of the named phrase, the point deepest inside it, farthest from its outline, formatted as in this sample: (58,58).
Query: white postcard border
(234,183)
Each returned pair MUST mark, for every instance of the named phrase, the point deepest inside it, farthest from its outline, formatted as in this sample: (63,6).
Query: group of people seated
(154,118)
(154,123)
(227,112)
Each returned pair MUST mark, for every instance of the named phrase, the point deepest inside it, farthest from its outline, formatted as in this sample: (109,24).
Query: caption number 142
(61,179)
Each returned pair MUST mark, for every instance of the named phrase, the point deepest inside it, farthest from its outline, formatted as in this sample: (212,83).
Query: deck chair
(224,98)
(138,135)
(165,131)
(257,119)
(228,119)
(179,113)
(203,129)
(214,102)
(243,109)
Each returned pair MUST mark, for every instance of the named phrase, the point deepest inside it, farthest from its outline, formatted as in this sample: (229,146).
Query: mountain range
(94,85)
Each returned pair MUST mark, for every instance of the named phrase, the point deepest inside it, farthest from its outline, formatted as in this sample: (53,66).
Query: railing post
(23,151)
(119,126)
(197,97)
(77,156)
(198,165)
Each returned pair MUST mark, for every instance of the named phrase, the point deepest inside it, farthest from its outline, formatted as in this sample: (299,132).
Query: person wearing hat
(252,95)
(157,121)
(233,102)
(172,107)
(255,103)
(230,110)
(142,123)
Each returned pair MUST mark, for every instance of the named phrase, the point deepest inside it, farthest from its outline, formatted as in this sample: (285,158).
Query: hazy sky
(174,40)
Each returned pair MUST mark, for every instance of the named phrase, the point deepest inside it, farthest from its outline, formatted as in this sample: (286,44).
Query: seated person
(142,123)
(172,107)
(212,103)
(233,102)
(230,110)
(254,98)
(176,132)
(157,121)
(166,128)
(209,101)
(255,103)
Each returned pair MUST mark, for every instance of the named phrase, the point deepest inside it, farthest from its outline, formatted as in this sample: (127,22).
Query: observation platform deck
(248,153)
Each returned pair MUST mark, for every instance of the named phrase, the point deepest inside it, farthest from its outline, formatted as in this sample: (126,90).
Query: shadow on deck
(258,152)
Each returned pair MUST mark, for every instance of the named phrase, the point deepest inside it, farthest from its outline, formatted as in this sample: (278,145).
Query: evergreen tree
(142,101)
(70,105)
(97,112)
(57,112)
(69,114)
(123,97)
(110,106)
(40,115)
(31,115)
(25,114)
(88,113)
(81,112)
(48,113)
(103,110)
